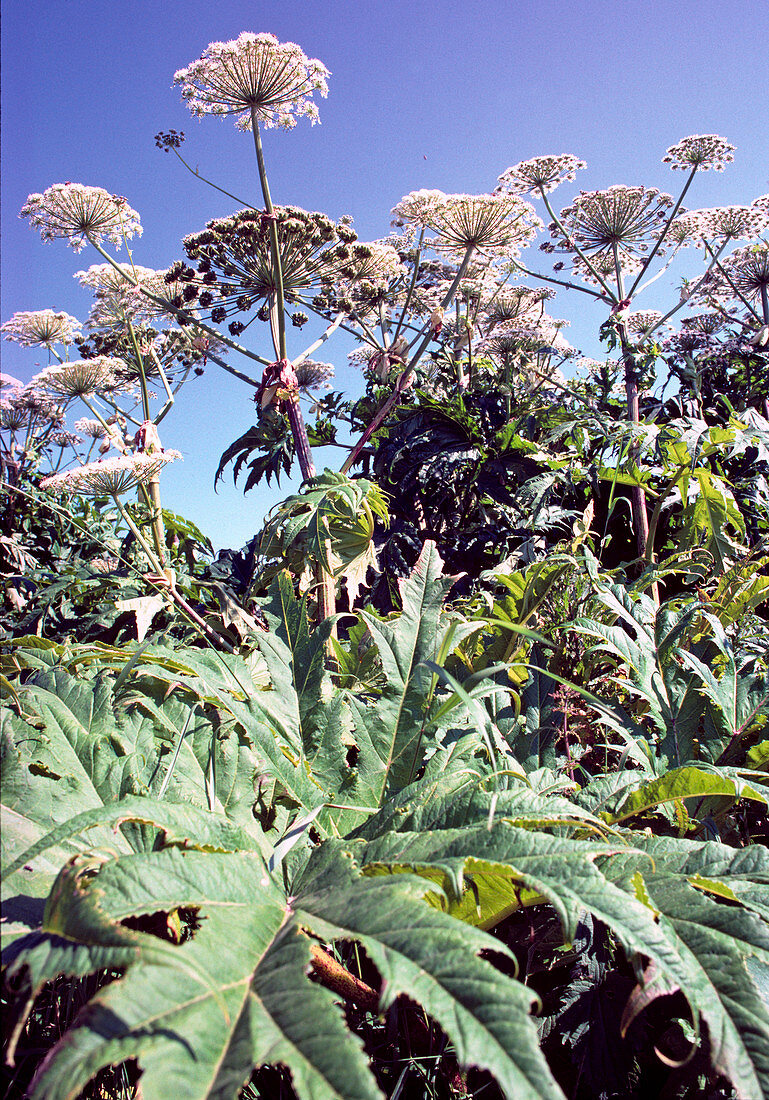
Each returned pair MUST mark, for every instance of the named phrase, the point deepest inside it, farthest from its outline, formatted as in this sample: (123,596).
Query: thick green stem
(637,495)
(325,582)
(140,367)
(340,981)
(97,415)
(280,305)
(153,561)
(158,532)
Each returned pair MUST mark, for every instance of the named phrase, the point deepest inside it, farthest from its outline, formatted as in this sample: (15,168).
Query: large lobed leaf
(200,1016)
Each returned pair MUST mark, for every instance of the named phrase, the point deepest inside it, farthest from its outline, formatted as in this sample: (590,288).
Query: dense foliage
(453,781)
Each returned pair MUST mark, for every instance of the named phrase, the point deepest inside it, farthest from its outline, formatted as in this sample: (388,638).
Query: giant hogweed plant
(265,820)
(206,831)
(431,304)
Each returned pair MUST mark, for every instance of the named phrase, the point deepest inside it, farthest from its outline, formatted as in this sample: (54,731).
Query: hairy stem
(334,976)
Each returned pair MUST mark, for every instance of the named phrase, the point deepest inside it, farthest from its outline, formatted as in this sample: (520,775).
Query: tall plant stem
(156,518)
(326,585)
(280,305)
(334,976)
(637,495)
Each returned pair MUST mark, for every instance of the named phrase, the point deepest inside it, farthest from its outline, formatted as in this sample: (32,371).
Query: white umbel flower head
(41,328)
(312,375)
(642,321)
(104,278)
(122,294)
(74,212)
(700,151)
(111,477)
(746,271)
(623,218)
(65,439)
(91,429)
(81,378)
(254,73)
(374,263)
(540,174)
(518,303)
(744,223)
(543,334)
(497,225)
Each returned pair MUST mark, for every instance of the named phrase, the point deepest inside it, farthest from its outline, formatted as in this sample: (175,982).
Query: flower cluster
(373,267)
(110,477)
(733,222)
(24,406)
(621,218)
(80,378)
(518,303)
(744,271)
(478,286)
(41,328)
(373,276)
(235,272)
(703,324)
(171,139)
(497,225)
(91,429)
(312,375)
(77,213)
(540,174)
(642,322)
(118,300)
(65,439)
(700,151)
(254,76)
(524,338)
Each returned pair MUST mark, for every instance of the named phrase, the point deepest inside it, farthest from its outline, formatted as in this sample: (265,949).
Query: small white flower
(642,321)
(497,225)
(733,222)
(81,378)
(541,174)
(625,218)
(91,429)
(312,375)
(746,270)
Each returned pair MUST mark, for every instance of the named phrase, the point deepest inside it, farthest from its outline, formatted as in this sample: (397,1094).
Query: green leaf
(681,783)
(391,733)
(710,516)
(713,944)
(200,1016)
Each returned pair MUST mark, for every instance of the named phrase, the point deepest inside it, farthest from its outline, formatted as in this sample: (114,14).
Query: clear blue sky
(423,93)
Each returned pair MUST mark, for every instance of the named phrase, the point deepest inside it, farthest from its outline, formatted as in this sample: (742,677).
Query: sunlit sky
(423,93)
